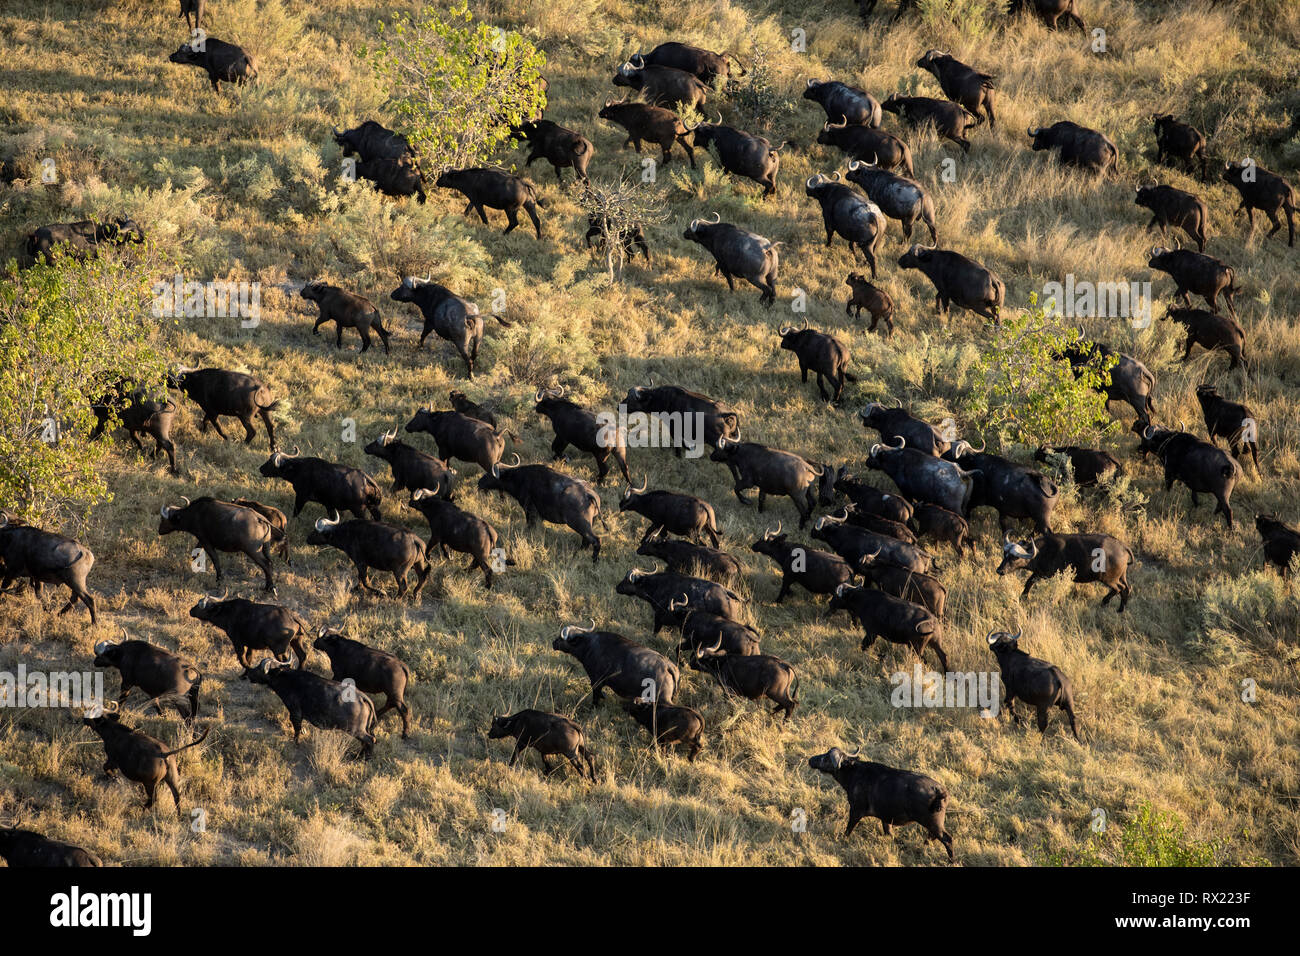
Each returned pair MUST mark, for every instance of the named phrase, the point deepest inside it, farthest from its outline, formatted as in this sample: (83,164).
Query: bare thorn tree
(617,210)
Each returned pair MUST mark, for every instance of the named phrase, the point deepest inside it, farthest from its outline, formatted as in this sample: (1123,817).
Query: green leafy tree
(457,86)
(67,332)
(1024,393)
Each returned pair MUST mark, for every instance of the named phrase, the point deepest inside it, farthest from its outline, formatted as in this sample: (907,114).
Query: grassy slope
(244,186)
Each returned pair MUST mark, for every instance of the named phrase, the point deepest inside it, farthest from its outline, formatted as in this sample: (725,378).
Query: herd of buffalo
(871,552)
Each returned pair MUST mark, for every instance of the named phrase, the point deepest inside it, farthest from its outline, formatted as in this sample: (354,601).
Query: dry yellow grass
(245,186)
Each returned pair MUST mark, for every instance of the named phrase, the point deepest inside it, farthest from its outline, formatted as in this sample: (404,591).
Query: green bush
(67,332)
(1022,393)
(442,69)
(1152,838)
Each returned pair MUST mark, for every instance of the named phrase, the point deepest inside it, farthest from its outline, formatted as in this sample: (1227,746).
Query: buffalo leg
(365,337)
(363,583)
(212,556)
(854,817)
(263,560)
(531,208)
(170,780)
(421,576)
(512,220)
(215,424)
(265,413)
(249,433)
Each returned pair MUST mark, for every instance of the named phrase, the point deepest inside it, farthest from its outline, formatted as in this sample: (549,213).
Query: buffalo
(738,253)
(1265,191)
(574,425)
(958,281)
(448,315)
(495,189)
(1175,207)
(219,392)
(141,758)
(256,627)
(654,124)
(950,120)
(323,703)
(549,495)
(894,797)
(1175,140)
(1078,145)
(875,300)
(961,83)
(1037,683)
(337,487)
(1195,272)
(561,147)
(347,310)
(45,557)
(223,62)
(612,661)
(373,544)
(159,673)
(371,670)
(547,734)
(850,214)
(897,197)
(772,472)
(844,102)
(1092,557)
(1231,420)
(820,353)
(869,145)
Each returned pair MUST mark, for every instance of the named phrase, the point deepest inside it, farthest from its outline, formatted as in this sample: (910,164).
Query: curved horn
(990,638)
(1032,130)
(717,218)
(324,523)
(784,330)
(902,443)
(855,165)
(811,83)
(674,603)
(1016,636)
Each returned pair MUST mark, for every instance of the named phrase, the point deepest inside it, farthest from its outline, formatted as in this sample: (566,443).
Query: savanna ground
(245,186)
